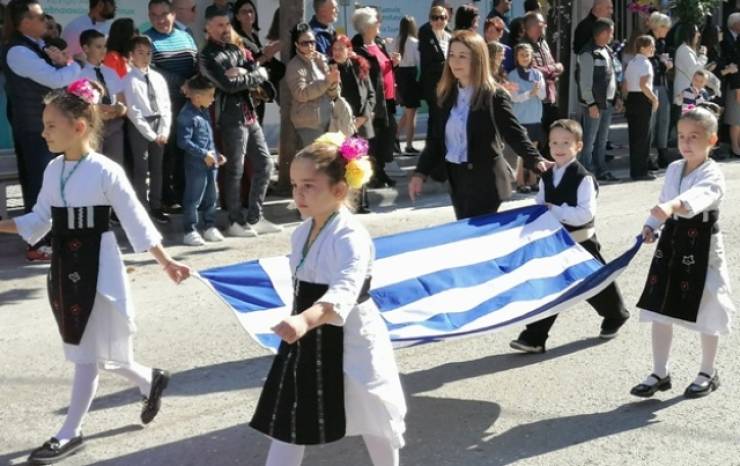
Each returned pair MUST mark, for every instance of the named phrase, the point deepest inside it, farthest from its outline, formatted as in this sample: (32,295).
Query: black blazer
(431,59)
(360,95)
(485,142)
(380,113)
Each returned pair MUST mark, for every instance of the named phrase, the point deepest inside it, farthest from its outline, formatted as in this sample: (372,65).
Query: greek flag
(455,280)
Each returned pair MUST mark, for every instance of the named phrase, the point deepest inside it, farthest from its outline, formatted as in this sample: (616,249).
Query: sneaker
(239,231)
(522,345)
(264,226)
(193,239)
(53,450)
(159,216)
(412,150)
(212,235)
(40,254)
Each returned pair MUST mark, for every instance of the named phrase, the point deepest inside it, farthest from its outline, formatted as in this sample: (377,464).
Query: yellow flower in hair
(358,172)
(334,139)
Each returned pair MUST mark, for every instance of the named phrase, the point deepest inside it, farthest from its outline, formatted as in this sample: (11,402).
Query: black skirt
(409,88)
(302,401)
(678,272)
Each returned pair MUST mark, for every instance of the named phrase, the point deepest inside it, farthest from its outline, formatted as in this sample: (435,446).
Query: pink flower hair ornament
(83,89)
(353,148)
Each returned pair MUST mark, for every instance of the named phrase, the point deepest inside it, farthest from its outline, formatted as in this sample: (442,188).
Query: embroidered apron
(302,401)
(678,272)
(72,282)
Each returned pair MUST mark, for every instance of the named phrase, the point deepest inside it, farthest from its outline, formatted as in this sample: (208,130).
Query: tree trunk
(291,13)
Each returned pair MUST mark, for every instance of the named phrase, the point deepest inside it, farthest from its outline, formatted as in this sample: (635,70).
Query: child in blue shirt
(195,137)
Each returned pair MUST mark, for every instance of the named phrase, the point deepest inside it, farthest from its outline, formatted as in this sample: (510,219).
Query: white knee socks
(662,337)
(83,391)
(709,346)
(284,454)
(137,374)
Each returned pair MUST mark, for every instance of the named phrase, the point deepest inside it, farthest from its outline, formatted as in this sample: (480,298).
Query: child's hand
(177,271)
(663,211)
(291,329)
(648,235)
(544,165)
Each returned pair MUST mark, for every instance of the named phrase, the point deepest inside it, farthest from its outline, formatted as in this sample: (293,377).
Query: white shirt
(456,130)
(410,57)
(27,64)
(113,83)
(443,37)
(139,106)
(699,191)
(71,32)
(637,68)
(577,215)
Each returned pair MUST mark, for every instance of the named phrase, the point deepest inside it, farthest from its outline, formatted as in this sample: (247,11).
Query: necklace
(63,179)
(308,244)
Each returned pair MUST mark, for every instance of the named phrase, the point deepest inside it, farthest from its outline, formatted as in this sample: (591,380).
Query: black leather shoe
(646,391)
(607,176)
(51,452)
(699,390)
(160,379)
(526,347)
(653,165)
(646,177)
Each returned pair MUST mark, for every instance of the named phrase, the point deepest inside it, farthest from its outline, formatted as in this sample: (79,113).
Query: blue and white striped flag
(458,279)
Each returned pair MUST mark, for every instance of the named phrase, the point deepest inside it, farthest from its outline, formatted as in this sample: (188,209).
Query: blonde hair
(438,10)
(704,115)
(658,19)
(480,72)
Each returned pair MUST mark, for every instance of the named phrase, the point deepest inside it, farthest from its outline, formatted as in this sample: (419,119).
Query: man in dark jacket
(235,75)
(585,30)
(322,24)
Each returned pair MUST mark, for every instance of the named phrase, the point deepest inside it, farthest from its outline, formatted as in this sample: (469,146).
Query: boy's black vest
(567,191)
(25,96)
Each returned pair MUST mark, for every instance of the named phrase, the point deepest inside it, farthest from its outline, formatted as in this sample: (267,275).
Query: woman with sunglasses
(313,86)
(434,39)
(493,31)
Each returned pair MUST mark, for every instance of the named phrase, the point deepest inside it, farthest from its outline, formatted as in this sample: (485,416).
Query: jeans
(201,193)
(660,123)
(595,134)
(237,141)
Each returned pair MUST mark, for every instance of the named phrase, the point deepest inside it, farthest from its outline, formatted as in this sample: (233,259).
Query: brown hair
(326,159)
(480,72)
(571,126)
(643,41)
(74,108)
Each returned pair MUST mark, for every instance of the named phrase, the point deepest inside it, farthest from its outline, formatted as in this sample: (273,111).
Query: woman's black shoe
(51,452)
(646,391)
(376,183)
(152,403)
(696,390)
(412,150)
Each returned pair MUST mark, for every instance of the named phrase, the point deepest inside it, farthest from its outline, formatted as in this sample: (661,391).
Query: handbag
(342,118)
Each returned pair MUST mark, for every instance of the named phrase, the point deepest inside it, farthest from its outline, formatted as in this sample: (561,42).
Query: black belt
(709,216)
(80,220)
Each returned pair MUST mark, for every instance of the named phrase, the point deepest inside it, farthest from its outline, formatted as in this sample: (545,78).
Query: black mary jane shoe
(646,391)
(152,403)
(699,390)
(51,451)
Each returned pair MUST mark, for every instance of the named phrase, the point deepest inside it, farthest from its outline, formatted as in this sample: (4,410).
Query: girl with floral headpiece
(87,282)
(335,374)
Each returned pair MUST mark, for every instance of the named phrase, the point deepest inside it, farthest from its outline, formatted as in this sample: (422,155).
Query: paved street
(471,402)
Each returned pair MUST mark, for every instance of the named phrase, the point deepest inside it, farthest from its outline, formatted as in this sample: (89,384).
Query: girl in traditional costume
(688,283)
(87,285)
(335,374)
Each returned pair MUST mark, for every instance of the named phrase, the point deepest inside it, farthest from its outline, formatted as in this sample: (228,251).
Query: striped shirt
(693,97)
(174,56)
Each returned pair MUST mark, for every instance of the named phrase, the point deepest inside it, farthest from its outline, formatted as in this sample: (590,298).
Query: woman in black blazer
(433,43)
(475,117)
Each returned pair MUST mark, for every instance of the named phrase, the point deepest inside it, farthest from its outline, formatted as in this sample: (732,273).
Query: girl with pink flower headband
(335,355)
(88,292)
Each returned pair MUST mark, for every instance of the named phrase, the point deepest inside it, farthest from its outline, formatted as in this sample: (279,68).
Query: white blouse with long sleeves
(687,63)
(341,257)
(700,191)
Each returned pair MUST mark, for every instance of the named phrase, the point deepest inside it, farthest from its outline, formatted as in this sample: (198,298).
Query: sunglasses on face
(306,43)
(438,18)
